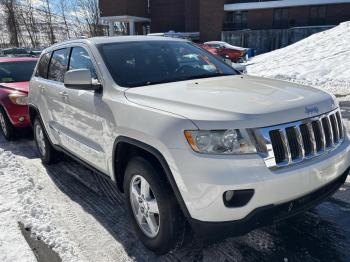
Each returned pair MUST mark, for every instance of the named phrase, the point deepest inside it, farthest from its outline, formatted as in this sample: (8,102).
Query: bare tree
(49,23)
(90,12)
(27,19)
(11,20)
(63,10)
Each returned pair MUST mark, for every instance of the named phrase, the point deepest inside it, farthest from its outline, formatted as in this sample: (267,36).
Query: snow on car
(225,50)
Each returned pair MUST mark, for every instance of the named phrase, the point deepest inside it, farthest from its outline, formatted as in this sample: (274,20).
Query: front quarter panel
(159,129)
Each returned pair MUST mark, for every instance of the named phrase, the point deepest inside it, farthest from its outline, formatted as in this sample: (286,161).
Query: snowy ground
(321,60)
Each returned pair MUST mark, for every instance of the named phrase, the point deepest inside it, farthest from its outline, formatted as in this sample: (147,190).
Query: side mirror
(80,79)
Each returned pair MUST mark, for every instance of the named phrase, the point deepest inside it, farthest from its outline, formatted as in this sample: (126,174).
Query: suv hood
(234,101)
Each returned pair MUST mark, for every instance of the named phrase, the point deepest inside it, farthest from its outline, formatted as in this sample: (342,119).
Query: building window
(235,20)
(280,18)
(317,15)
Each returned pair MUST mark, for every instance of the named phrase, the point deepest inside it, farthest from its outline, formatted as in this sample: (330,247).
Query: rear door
(54,91)
(37,86)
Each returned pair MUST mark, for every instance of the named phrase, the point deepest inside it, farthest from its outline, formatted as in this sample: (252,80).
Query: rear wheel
(47,153)
(7,128)
(156,216)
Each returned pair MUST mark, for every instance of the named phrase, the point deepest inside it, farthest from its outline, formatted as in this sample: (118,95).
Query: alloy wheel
(144,206)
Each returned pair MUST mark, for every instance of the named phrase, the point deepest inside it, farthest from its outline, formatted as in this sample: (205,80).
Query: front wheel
(47,153)
(157,218)
(7,128)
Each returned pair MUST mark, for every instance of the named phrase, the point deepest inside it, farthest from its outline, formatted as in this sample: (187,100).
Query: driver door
(83,124)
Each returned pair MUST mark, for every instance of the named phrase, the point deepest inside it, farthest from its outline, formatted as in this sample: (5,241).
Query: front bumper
(203,179)
(18,115)
(267,215)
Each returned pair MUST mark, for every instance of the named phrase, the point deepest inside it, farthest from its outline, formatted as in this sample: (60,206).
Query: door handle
(64,94)
(42,88)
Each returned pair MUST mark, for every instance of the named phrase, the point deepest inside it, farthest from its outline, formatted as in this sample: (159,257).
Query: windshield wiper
(205,76)
(149,83)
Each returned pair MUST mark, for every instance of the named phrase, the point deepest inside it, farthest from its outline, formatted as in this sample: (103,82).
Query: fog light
(21,119)
(228,195)
(237,198)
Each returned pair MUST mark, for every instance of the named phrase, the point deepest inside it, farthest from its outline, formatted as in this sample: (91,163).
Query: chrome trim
(330,128)
(336,125)
(300,143)
(286,147)
(264,143)
(312,140)
(323,137)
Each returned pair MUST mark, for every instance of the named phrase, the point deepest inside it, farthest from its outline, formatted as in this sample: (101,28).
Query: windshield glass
(16,71)
(135,64)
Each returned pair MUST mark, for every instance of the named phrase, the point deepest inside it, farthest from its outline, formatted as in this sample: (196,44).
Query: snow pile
(18,203)
(321,60)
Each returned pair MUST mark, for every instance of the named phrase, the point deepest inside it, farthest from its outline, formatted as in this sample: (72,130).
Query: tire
(7,128)
(171,223)
(46,151)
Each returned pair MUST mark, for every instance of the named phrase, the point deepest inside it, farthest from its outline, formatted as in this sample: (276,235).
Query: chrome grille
(291,143)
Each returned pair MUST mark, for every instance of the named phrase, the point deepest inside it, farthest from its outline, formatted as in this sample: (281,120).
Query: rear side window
(58,65)
(41,71)
(80,59)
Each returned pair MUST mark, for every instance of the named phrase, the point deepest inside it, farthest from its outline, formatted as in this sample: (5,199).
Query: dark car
(15,51)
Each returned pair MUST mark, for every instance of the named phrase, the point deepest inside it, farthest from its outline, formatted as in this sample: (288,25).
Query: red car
(225,50)
(15,74)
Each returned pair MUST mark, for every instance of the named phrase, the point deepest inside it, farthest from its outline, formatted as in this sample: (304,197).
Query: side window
(42,68)
(80,59)
(58,65)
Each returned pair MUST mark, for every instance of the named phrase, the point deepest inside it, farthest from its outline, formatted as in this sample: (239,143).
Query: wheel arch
(124,148)
(3,107)
(33,112)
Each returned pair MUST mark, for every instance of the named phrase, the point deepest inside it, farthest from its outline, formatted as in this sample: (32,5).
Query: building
(237,21)
(158,16)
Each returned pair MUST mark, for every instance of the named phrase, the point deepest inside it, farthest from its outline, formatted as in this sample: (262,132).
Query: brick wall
(211,18)
(113,7)
(123,7)
(167,15)
(192,15)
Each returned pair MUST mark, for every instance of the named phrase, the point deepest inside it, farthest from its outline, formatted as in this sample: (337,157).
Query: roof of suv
(116,39)
(103,40)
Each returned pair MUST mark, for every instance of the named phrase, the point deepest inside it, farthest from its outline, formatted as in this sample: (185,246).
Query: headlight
(19,99)
(220,142)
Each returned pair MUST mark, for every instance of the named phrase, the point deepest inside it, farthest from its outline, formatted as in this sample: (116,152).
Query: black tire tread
(10,128)
(51,156)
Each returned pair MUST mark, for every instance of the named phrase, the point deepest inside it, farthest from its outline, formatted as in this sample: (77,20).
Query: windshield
(135,64)
(16,71)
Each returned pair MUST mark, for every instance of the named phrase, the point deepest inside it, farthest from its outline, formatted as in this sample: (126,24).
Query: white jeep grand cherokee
(186,137)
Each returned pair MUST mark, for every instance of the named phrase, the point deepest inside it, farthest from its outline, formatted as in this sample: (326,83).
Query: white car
(186,137)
